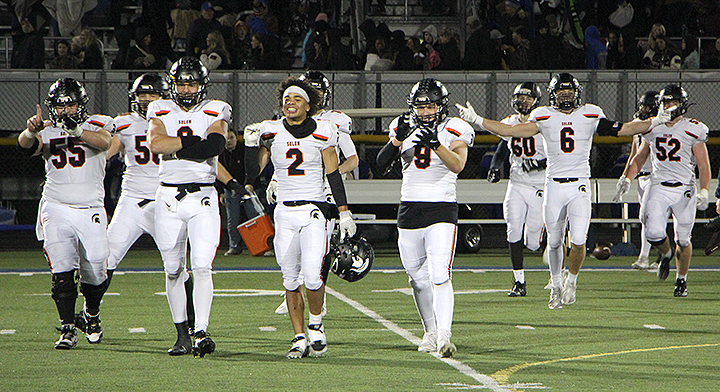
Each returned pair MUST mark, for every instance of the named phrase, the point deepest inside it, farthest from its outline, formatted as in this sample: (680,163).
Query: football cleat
(663,266)
(642,263)
(680,288)
(90,325)
(568,293)
(282,308)
(203,344)
(68,337)
(318,341)
(555,300)
(518,290)
(429,343)
(299,348)
(445,347)
(183,345)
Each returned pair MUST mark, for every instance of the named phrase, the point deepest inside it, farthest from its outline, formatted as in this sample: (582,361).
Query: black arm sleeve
(30,151)
(206,149)
(717,190)
(252,168)
(500,156)
(387,155)
(608,128)
(338,188)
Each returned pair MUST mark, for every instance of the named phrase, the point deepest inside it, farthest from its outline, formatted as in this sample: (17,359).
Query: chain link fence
(253,97)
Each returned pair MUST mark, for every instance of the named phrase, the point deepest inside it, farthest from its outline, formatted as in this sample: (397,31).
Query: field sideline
(626,332)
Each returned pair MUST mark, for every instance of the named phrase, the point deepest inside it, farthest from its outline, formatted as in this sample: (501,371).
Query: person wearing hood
(595,51)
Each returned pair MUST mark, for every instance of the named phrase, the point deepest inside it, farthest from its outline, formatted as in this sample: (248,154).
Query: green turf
(598,344)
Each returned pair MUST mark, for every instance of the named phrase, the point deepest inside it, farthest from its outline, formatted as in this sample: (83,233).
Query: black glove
(68,122)
(493,175)
(190,140)
(530,164)
(236,188)
(403,128)
(428,138)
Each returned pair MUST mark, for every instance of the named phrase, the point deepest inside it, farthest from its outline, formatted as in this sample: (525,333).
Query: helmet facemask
(188,71)
(677,94)
(63,93)
(526,97)
(564,100)
(423,95)
(147,84)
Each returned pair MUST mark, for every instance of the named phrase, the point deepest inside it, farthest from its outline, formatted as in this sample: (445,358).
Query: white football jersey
(74,170)
(524,148)
(298,163)
(671,151)
(425,176)
(141,166)
(343,122)
(568,139)
(195,121)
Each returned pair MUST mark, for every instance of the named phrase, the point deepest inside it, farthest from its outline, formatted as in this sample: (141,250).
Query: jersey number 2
(293,168)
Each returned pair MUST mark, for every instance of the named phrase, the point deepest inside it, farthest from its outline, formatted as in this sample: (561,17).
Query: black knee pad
(93,291)
(64,286)
(657,243)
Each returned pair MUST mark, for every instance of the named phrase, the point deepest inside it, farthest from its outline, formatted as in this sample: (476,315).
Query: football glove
(237,188)
(468,114)
(623,187)
(493,175)
(71,127)
(428,138)
(347,225)
(251,135)
(702,200)
(663,116)
(530,164)
(271,191)
(403,127)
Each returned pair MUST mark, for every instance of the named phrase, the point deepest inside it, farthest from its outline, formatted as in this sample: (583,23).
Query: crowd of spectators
(268,34)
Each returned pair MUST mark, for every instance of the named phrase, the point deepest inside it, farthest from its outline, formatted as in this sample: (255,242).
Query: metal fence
(253,97)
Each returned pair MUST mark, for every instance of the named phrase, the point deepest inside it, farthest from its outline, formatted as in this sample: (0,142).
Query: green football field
(626,332)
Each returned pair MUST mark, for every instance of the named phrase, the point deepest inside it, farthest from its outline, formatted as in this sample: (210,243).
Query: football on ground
(602,252)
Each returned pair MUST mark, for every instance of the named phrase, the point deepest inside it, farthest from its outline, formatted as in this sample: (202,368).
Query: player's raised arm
(518,130)
(29,140)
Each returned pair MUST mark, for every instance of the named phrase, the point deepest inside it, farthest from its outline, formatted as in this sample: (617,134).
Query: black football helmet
(647,105)
(188,69)
(564,81)
(531,90)
(429,91)
(318,81)
(673,92)
(64,92)
(147,83)
(352,258)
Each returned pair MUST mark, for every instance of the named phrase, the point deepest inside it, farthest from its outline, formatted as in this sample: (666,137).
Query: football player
(302,151)
(675,148)
(433,150)
(190,132)
(317,80)
(71,215)
(135,210)
(647,107)
(567,127)
(524,195)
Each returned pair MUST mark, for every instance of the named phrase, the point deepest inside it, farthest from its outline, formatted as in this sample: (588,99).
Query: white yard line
(486,381)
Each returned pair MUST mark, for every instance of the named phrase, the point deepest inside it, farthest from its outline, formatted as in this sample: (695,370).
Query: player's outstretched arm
(518,130)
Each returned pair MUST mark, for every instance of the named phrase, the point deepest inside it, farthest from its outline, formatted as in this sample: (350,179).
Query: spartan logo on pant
(582,188)
(205,201)
(96,218)
(315,214)
(539,193)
